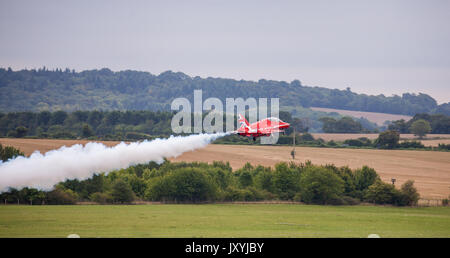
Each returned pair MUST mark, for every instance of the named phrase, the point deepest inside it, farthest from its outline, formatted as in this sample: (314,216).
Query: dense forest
(42,89)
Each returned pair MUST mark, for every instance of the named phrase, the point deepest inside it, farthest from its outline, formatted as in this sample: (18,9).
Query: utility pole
(293,144)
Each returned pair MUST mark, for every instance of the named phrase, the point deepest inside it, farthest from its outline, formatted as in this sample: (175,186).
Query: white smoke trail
(43,171)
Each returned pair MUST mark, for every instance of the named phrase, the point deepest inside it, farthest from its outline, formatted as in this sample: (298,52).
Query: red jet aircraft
(263,127)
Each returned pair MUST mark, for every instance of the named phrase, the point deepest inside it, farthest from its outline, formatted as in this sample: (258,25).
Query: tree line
(198,182)
(122,125)
(344,125)
(116,125)
(43,89)
(141,125)
(430,123)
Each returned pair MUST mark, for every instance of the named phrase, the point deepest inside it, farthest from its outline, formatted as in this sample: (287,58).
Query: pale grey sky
(374,47)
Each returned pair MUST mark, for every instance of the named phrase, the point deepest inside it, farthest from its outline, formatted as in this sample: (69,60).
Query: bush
(364,178)
(138,185)
(410,196)
(101,198)
(306,137)
(285,181)
(336,200)
(297,197)
(366,141)
(248,194)
(182,185)
(382,193)
(319,185)
(63,135)
(236,194)
(60,196)
(137,136)
(264,180)
(9,152)
(344,125)
(350,200)
(445,202)
(354,142)
(411,144)
(346,174)
(388,139)
(43,135)
(12,133)
(245,179)
(21,131)
(260,195)
(122,192)
(87,131)
(443,146)
(332,143)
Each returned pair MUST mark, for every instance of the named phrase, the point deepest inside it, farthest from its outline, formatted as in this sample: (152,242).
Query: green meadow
(223,220)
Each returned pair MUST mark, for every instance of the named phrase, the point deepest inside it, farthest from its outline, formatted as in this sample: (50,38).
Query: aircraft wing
(269,130)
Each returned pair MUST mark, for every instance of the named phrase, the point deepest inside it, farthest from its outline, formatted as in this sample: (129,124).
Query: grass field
(223,220)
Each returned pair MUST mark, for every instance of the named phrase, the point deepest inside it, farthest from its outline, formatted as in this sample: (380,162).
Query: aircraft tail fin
(242,121)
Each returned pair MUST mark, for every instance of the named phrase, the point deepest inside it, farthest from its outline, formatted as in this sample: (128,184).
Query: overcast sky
(373,47)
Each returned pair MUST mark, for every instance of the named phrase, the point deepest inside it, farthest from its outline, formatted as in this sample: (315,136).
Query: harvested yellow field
(374,117)
(429,169)
(429,140)
(28,146)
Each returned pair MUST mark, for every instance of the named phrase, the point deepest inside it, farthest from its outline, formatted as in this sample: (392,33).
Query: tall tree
(420,128)
(388,139)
